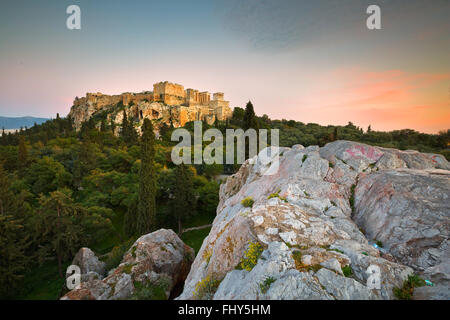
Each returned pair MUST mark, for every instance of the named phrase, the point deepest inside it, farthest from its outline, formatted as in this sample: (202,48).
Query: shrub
(352,197)
(150,290)
(248,202)
(277,195)
(379,243)
(347,270)
(251,256)
(406,292)
(114,257)
(265,285)
(205,289)
(305,156)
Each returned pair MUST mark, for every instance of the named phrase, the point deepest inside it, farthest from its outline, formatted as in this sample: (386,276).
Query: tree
(46,175)
(59,226)
(146,214)
(12,257)
(13,241)
(22,155)
(129,134)
(238,115)
(250,120)
(183,200)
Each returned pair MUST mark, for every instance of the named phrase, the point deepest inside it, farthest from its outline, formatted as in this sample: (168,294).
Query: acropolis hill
(167,103)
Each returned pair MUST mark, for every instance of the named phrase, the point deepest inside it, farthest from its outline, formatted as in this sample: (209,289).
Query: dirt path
(197,228)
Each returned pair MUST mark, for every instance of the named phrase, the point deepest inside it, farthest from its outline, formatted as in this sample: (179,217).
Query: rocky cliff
(309,231)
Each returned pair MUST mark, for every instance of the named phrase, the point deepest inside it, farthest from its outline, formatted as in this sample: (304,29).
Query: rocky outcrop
(90,266)
(302,220)
(407,210)
(155,264)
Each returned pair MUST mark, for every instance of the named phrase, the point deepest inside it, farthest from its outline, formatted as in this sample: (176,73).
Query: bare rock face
(302,220)
(156,261)
(408,211)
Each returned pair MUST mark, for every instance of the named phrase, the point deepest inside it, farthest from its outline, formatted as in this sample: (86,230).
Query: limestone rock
(90,266)
(408,211)
(309,215)
(159,258)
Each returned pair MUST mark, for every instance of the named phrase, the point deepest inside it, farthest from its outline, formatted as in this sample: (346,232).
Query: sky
(311,61)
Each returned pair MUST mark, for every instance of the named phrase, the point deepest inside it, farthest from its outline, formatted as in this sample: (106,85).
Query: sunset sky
(312,61)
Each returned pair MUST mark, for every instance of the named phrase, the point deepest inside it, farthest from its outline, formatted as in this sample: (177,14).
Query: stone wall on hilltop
(168,103)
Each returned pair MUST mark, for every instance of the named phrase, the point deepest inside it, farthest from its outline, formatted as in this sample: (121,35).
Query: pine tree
(146,214)
(13,242)
(183,203)
(22,156)
(59,226)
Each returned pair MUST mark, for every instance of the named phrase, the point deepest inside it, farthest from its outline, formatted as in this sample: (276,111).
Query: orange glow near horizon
(385,100)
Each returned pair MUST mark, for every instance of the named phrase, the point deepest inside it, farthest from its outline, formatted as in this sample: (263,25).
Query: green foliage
(352,197)
(347,270)
(114,257)
(146,211)
(46,175)
(407,290)
(128,133)
(60,226)
(379,243)
(251,256)
(305,156)
(183,204)
(265,285)
(250,121)
(248,202)
(150,291)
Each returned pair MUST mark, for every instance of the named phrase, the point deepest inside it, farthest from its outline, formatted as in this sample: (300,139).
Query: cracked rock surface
(323,206)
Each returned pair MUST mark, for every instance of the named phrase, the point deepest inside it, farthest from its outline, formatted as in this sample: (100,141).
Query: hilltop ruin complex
(168,103)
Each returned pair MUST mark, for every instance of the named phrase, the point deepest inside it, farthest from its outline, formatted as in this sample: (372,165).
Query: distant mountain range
(18,122)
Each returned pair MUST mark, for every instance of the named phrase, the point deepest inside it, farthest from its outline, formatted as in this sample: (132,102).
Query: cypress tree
(250,120)
(183,203)
(146,214)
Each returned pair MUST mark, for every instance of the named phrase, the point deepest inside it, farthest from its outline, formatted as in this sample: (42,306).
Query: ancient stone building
(168,102)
